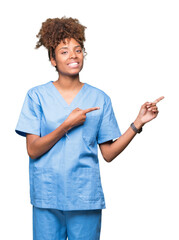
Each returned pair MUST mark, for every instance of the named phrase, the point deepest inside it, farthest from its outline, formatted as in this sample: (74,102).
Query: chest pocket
(91,126)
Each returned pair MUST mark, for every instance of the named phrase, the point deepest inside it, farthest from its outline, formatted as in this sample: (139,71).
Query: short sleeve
(109,128)
(30,115)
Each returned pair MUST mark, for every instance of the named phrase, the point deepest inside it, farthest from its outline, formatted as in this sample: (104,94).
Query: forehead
(68,43)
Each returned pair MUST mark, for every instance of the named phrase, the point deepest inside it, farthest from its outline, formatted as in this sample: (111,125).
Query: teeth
(73,64)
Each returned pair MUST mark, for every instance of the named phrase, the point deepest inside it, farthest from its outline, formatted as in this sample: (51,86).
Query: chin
(71,74)
(75,72)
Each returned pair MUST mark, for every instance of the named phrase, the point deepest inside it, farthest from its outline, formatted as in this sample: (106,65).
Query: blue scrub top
(67,176)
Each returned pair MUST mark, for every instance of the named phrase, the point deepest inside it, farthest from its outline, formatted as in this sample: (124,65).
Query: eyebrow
(67,47)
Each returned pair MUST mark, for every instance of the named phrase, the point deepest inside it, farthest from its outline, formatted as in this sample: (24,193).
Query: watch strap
(136,130)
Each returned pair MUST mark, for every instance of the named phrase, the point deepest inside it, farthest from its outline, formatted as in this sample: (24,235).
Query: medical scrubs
(53,224)
(67,176)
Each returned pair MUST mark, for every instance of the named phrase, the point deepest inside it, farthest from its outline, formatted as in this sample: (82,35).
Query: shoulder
(38,88)
(99,92)
(35,92)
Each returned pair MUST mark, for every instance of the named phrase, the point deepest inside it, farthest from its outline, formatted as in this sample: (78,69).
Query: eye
(79,51)
(64,52)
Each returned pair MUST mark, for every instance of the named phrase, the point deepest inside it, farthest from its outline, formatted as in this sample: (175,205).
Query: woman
(63,122)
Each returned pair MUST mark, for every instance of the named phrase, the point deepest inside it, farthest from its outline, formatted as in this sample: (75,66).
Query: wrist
(66,125)
(138,123)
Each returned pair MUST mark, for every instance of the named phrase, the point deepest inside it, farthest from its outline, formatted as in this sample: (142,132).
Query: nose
(72,54)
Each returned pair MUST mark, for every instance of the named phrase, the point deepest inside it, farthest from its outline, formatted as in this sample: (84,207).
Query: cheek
(61,63)
(81,60)
(61,58)
(81,65)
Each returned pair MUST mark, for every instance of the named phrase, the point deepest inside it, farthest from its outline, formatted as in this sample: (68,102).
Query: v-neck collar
(62,100)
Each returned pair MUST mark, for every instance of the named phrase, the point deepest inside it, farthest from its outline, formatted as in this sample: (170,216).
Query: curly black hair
(55,30)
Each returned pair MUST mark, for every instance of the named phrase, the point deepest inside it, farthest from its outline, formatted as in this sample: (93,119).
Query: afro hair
(55,30)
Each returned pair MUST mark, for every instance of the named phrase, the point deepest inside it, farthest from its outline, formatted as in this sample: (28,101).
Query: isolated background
(133,55)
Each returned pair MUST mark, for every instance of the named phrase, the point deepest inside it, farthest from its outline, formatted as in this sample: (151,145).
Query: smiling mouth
(73,65)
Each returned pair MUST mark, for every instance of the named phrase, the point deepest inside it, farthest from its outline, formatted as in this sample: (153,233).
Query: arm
(111,150)
(37,146)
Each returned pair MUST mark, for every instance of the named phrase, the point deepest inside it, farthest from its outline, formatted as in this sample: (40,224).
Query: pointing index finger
(158,99)
(91,109)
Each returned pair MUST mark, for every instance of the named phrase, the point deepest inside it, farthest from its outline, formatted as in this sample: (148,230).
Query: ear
(53,62)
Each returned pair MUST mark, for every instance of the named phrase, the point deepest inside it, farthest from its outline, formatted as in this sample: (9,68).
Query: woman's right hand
(37,146)
(78,116)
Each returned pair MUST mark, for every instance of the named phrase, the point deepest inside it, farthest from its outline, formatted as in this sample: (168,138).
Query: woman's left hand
(148,112)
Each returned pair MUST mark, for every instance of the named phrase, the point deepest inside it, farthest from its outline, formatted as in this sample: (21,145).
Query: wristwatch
(136,130)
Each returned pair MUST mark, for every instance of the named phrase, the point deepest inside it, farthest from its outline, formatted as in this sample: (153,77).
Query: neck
(68,82)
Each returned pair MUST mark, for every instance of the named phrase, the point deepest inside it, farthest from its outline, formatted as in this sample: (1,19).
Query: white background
(133,55)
